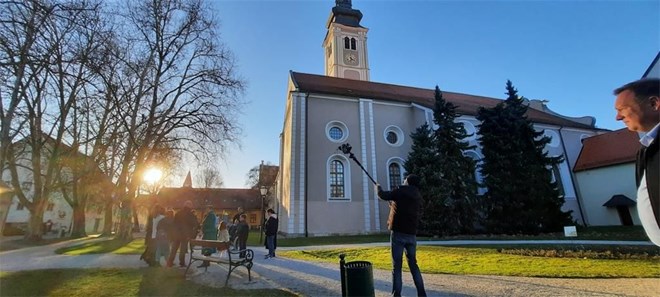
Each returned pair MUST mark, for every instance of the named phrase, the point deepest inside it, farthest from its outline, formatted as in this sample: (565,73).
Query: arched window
(477,173)
(394,171)
(338,178)
(353,46)
(556,178)
(347,43)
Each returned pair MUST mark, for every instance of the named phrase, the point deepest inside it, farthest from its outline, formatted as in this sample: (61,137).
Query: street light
(264,191)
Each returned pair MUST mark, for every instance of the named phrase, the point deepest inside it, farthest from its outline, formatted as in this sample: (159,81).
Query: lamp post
(264,191)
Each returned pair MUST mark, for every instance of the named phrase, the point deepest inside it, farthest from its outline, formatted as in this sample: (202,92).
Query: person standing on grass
(242,233)
(405,206)
(185,228)
(271,232)
(638,106)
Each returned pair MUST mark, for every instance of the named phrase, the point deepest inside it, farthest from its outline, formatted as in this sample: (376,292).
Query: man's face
(637,116)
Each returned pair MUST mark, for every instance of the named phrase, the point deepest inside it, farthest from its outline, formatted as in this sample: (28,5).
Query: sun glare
(152,175)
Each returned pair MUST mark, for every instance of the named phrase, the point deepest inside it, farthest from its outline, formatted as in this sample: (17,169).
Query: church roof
(608,149)
(201,197)
(466,104)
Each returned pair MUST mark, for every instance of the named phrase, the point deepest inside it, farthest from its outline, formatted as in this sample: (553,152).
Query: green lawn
(113,282)
(110,245)
(488,261)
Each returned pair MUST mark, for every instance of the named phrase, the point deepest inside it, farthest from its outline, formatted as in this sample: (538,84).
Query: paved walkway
(322,279)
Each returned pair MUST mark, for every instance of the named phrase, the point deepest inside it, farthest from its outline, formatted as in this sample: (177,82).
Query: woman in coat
(209,232)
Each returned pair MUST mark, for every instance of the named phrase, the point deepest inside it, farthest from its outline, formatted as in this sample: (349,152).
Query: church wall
(286,225)
(330,216)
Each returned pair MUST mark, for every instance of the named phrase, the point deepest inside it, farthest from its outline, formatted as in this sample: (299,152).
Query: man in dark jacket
(185,228)
(638,106)
(271,231)
(405,206)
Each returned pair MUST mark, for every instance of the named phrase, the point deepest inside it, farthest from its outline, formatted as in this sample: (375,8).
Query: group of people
(168,233)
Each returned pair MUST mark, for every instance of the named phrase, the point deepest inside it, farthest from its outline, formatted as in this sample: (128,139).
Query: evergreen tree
(449,186)
(520,196)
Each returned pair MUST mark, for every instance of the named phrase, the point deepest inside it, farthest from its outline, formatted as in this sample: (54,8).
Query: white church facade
(322,192)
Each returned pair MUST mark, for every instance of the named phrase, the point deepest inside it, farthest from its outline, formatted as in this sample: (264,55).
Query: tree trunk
(136,222)
(126,222)
(107,221)
(78,228)
(35,226)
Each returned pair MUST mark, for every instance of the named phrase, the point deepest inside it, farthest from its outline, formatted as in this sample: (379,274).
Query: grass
(111,245)
(624,233)
(113,282)
(488,261)
(8,245)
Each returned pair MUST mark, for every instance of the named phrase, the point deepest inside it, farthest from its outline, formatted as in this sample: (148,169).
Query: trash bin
(357,278)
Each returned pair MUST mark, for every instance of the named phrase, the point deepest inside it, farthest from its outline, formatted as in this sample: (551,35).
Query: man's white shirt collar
(647,139)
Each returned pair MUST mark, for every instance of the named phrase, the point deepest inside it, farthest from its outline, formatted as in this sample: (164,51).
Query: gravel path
(322,279)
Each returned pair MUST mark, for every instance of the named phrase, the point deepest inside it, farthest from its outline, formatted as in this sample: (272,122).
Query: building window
(26,186)
(353,44)
(336,179)
(556,178)
(253,218)
(336,131)
(346,43)
(50,206)
(393,135)
(477,172)
(395,175)
(20,206)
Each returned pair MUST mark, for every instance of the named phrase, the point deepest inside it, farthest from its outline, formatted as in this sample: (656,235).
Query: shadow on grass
(9,245)
(113,282)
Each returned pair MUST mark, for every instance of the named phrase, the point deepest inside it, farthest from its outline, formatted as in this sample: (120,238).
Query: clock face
(350,59)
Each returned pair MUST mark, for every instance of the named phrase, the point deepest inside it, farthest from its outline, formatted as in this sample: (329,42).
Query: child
(223,235)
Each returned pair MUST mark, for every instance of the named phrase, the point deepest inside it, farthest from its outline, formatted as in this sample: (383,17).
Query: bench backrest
(219,245)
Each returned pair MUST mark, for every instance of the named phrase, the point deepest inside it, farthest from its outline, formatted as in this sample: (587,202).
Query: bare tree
(210,177)
(47,95)
(179,89)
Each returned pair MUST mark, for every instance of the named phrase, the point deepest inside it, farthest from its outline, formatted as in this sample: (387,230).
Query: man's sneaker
(266,257)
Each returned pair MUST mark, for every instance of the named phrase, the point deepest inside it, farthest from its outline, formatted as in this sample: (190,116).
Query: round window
(336,133)
(393,135)
(392,138)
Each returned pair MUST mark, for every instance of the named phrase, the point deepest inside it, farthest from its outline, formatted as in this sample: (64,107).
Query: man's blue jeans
(401,242)
(270,243)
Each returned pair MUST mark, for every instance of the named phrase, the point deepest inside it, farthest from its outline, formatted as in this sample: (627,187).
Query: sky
(571,53)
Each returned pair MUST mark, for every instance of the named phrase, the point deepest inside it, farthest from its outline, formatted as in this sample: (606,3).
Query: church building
(320,191)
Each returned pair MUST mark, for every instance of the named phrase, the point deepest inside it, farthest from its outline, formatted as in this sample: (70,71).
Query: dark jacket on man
(271,226)
(185,224)
(648,161)
(405,205)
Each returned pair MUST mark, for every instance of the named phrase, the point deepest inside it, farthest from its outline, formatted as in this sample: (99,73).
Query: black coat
(405,206)
(648,161)
(271,226)
(185,224)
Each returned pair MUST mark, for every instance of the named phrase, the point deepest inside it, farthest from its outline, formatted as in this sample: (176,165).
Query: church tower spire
(345,43)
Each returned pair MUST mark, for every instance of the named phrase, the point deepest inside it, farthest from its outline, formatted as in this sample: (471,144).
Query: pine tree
(449,186)
(520,196)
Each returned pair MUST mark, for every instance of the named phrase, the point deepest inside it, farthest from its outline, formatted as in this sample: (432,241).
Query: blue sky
(572,53)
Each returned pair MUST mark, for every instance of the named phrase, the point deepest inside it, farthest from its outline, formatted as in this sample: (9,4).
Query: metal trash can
(357,278)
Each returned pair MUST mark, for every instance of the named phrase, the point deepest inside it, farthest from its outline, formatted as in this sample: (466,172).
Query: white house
(321,191)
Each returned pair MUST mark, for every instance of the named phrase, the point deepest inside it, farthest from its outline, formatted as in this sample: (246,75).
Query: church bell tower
(345,43)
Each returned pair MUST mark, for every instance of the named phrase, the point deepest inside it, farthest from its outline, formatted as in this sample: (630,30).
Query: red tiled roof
(466,104)
(608,149)
(201,197)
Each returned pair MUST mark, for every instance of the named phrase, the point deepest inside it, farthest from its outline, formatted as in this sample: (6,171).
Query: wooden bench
(232,258)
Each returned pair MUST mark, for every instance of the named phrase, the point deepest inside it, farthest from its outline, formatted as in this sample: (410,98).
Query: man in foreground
(405,206)
(638,106)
